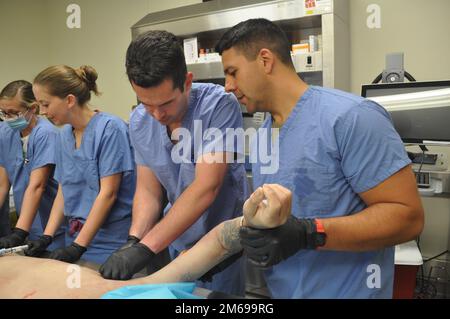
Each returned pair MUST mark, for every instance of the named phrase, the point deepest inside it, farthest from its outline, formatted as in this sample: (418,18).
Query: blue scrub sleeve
(2,147)
(220,135)
(370,148)
(58,156)
(115,152)
(135,117)
(138,158)
(44,150)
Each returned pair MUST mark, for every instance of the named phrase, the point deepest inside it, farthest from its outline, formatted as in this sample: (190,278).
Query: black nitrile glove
(36,248)
(207,277)
(268,247)
(126,262)
(68,254)
(16,238)
(131,240)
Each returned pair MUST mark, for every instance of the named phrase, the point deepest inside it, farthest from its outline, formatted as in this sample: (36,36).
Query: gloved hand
(37,247)
(207,277)
(268,247)
(16,238)
(68,254)
(126,262)
(131,240)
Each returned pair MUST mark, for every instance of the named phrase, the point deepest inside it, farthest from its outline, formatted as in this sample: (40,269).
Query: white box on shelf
(190,47)
(308,62)
(300,48)
(313,43)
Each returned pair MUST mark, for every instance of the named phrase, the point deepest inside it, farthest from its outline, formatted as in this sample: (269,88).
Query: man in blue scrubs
(174,133)
(354,192)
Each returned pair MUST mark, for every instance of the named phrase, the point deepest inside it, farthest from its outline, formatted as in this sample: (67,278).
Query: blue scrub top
(333,146)
(211,106)
(40,152)
(5,227)
(214,108)
(104,151)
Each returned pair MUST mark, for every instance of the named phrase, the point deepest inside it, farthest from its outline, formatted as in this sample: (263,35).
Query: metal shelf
(208,21)
(214,70)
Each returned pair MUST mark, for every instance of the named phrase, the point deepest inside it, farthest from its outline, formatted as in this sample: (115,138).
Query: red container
(407,262)
(405,281)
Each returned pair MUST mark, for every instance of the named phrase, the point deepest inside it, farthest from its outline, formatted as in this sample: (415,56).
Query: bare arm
(25,277)
(394,215)
(32,196)
(56,215)
(220,243)
(4,185)
(146,202)
(223,241)
(47,278)
(109,187)
(192,203)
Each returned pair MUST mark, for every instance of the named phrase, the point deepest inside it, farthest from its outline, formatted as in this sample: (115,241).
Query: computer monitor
(420,110)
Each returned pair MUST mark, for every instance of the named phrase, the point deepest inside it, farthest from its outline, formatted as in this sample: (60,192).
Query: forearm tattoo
(189,277)
(229,237)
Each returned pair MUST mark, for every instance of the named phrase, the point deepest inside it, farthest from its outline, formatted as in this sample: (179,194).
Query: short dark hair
(255,34)
(154,57)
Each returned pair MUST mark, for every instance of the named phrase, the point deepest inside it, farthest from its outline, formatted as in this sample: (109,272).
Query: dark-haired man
(354,194)
(176,149)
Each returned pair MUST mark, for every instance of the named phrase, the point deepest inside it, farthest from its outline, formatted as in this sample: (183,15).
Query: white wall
(35,35)
(157,5)
(24,40)
(418,28)
(101,42)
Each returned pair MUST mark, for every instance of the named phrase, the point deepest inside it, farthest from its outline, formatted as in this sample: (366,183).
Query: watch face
(320,239)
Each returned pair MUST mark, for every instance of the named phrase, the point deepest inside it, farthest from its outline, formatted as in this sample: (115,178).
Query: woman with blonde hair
(94,167)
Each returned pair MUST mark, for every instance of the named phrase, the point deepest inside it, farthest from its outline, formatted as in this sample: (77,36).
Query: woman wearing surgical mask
(27,162)
(94,166)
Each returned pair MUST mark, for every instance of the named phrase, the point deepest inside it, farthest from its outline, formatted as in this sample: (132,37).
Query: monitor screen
(420,110)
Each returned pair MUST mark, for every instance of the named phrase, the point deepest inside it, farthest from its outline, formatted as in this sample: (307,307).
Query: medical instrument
(12,250)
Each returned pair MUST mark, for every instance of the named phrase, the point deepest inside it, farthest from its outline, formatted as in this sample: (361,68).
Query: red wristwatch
(320,235)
